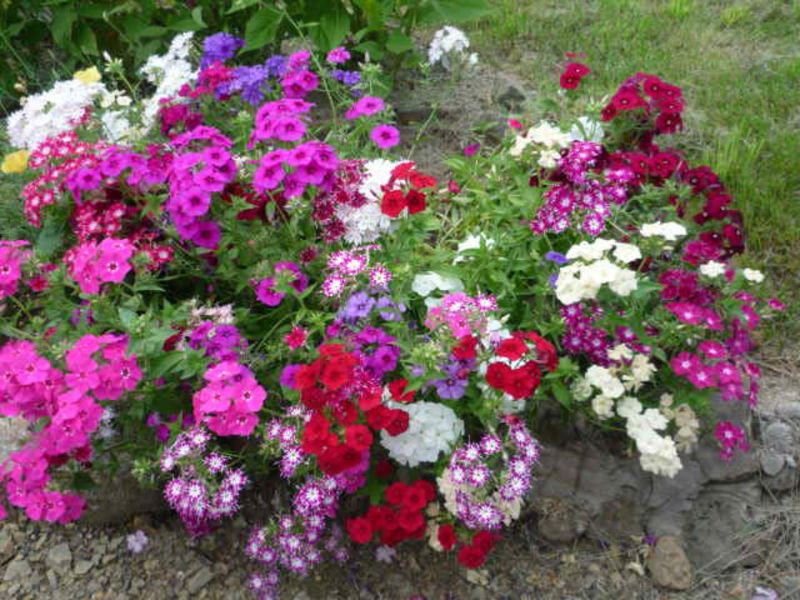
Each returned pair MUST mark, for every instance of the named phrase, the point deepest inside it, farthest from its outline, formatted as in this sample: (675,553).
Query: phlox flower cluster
(230,399)
(365,106)
(13,255)
(460,315)
(658,453)
(730,438)
(91,264)
(399,518)
(347,268)
(669,231)
(283,438)
(433,428)
(548,140)
(653,96)
(485,483)
(591,269)
(579,200)
(449,45)
(309,163)
(361,305)
(269,290)
(202,167)
(65,405)
(297,541)
(204,487)
(686,423)
(375,349)
(52,112)
(220,342)
(572,74)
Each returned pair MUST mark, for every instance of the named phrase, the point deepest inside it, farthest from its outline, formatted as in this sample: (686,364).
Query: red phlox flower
(396,389)
(446,536)
(393,203)
(465,349)
(398,422)
(358,437)
(359,530)
(415,201)
(471,556)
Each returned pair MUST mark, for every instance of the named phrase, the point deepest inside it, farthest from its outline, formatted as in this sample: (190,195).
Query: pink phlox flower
(385,136)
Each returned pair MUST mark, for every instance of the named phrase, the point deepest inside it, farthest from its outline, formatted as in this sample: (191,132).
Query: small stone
(52,578)
(7,546)
(199,580)
(18,570)
(771,463)
(785,480)
(778,436)
(669,565)
(83,566)
(59,558)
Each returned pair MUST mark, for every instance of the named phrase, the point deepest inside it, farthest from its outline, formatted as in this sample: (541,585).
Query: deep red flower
(484,540)
(307,375)
(414,498)
(336,373)
(427,488)
(396,389)
(398,422)
(653,86)
(465,349)
(358,437)
(471,557)
(512,348)
(669,123)
(410,520)
(395,493)
(384,469)
(627,100)
(415,201)
(312,398)
(609,112)
(498,375)
(359,530)
(523,381)
(420,181)
(393,203)
(446,536)
(369,399)
(379,417)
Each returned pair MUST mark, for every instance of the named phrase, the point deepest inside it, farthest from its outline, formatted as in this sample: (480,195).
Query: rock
(59,558)
(18,570)
(669,564)
(771,463)
(670,503)
(13,430)
(119,499)
(83,566)
(778,436)
(199,580)
(558,521)
(720,530)
(7,546)
(742,466)
(52,578)
(785,480)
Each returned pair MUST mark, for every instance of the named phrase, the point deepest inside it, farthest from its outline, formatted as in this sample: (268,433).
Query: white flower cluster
(432,428)
(685,420)
(753,275)
(450,43)
(550,139)
(582,280)
(426,283)
(168,72)
(712,268)
(670,231)
(472,242)
(365,223)
(587,130)
(613,382)
(657,453)
(49,113)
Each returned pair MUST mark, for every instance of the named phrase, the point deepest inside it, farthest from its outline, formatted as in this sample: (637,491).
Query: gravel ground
(75,562)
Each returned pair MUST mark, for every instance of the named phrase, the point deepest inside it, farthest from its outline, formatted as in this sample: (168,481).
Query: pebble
(59,558)
(83,566)
(199,580)
(18,569)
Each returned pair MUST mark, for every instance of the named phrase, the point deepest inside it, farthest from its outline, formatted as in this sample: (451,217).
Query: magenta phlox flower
(385,136)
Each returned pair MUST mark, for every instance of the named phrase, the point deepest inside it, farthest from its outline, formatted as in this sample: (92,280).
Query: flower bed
(224,286)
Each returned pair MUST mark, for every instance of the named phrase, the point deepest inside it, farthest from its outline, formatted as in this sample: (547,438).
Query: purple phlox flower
(137,541)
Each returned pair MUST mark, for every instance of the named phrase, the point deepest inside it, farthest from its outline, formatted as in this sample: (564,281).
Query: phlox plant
(231,285)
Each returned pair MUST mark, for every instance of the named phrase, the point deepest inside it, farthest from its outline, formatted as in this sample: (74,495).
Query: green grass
(739,67)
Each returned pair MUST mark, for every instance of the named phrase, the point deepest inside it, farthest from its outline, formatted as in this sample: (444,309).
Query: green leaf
(50,238)
(262,27)
(63,20)
(197,15)
(128,317)
(334,26)
(92,11)
(82,481)
(86,40)
(398,42)
(562,394)
(238,5)
(374,49)
(166,363)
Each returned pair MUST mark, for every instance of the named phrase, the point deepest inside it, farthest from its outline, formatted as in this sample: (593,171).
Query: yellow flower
(90,75)
(16,162)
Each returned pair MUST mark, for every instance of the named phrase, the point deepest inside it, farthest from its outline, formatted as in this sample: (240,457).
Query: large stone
(199,580)
(13,431)
(119,499)
(742,466)
(669,505)
(559,522)
(669,564)
(720,532)
(783,481)
(771,462)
